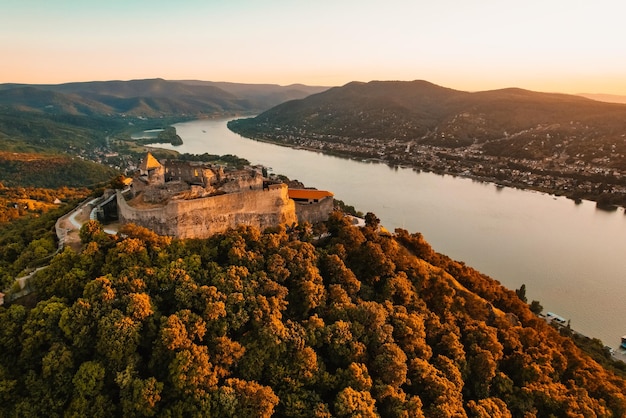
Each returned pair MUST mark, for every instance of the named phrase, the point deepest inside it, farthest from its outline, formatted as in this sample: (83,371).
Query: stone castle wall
(314,212)
(203,217)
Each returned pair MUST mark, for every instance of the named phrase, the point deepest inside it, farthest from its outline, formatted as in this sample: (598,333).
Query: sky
(569,46)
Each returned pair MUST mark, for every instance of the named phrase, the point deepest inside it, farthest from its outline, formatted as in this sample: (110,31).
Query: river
(572,258)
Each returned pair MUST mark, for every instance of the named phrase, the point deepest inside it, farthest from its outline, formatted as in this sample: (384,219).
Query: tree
(521,293)
(441,397)
(488,408)
(118,337)
(89,399)
(241,398)
(353,403)
(371,220)
(40,331)
(90,231)
(118,182)
(191,372)
(536,307)
(335,271)
(357,377)
(139,306)
(390,365)
(138,397)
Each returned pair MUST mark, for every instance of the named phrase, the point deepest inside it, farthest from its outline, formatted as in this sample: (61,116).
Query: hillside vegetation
(509,122)
(51,171)
(252,323)
(27,227)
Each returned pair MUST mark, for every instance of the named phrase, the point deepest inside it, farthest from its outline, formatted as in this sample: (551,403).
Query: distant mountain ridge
(81,116)
(609,98)
(260,95)
(148,98)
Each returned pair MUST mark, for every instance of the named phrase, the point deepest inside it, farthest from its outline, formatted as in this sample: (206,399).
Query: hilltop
(553,142)
(285,322)
(429,114)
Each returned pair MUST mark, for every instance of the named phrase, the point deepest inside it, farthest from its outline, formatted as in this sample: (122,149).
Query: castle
(187,199)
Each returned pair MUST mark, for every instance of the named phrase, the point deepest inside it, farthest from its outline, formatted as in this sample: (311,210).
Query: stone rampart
(203,217)
(314,212)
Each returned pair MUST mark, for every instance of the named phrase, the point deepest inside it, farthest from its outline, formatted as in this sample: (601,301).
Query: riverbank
(603,185)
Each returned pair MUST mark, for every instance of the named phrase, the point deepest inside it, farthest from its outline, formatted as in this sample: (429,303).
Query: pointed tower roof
(149,163)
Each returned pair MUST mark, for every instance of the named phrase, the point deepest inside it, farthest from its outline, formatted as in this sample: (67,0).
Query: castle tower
(152,169)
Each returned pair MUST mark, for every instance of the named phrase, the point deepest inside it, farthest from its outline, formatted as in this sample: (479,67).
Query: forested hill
(251,323)
(52,171)
(506,122)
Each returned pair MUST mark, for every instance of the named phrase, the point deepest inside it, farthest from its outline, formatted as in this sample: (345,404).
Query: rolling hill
(79,118)
(148,98)
(51,171)
(507,122)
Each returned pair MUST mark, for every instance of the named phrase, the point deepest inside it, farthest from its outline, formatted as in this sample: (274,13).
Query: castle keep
(196,200)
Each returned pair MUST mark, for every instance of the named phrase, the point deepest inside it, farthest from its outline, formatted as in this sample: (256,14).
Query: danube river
(571,257)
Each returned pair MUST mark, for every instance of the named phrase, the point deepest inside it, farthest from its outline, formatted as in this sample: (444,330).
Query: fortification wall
(314,212)
(152,218)
(201,218)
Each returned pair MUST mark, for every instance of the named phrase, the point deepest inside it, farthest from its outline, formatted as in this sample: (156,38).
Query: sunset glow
(564,46)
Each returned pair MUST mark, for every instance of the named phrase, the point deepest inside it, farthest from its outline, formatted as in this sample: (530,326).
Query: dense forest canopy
(327,321)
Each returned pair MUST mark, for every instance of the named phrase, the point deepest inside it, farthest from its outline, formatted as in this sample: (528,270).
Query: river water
(571,257)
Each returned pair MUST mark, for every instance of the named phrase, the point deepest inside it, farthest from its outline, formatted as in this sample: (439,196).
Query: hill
(556,143)
(148,98)
(262,96)
(429,114)
(80,116)
(51,171)
(252,323)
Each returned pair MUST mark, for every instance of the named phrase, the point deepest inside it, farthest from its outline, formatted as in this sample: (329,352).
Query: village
(557,175)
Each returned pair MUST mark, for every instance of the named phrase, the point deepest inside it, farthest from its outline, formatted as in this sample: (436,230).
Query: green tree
(353,403)
(536,307)
(91,231)
(371,220)
(138,397)
(118,338)
(89,398)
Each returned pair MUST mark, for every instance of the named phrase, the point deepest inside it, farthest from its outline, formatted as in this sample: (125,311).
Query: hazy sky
(570,46)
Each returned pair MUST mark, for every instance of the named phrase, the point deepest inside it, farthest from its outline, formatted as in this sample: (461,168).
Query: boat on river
(623,344)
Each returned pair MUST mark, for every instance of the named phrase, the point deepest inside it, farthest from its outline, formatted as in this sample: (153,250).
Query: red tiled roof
(309,194)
